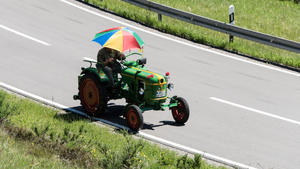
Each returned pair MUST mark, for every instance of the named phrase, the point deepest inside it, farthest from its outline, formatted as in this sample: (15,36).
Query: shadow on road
(114,113)
(148,126)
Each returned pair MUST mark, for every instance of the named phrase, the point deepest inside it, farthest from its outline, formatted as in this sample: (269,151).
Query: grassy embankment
(21,154)
(32,135)
(275,17)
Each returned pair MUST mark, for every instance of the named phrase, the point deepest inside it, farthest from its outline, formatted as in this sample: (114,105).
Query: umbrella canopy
(120,38)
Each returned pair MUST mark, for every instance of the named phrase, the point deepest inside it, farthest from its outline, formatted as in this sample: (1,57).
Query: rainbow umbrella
(120,38)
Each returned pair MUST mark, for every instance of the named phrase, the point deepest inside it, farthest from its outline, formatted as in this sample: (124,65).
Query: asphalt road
(240,109)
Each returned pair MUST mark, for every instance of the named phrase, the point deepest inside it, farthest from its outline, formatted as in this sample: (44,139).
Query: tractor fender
(91,71)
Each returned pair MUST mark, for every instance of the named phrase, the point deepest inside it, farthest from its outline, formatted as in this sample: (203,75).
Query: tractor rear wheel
(181,112)
(134,117)
(91,94)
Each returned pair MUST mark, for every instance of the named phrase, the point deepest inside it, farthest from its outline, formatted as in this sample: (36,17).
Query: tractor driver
(106,59)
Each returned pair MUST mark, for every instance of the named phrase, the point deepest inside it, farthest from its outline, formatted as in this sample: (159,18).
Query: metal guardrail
(218,26)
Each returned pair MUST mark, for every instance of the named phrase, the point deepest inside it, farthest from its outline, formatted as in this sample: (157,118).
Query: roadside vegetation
(35,136)
(15,153)
(275,17)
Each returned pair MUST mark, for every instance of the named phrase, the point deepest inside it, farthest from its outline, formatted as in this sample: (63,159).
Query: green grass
(275,17)
(21,154)
(72,139)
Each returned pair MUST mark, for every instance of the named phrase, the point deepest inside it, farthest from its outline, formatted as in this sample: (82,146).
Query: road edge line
(142,134)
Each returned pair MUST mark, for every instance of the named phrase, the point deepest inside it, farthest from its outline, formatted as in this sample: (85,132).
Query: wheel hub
(132,118)
(90,95)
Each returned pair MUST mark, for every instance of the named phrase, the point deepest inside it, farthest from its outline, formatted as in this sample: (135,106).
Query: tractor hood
(145,75)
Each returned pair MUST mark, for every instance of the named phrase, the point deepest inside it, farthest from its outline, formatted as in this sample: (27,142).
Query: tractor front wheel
(181,112)
(134,117)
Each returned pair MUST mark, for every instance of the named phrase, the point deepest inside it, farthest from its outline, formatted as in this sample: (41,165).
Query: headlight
(141,91)
(141,87)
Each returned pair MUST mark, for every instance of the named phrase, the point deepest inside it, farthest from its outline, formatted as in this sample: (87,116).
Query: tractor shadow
(148,126)
(113,113)
(70,117)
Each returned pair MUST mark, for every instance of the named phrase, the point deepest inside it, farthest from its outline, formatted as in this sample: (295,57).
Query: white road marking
(181,42)
(194,151)
(24,35)
(145,135)
(255,110)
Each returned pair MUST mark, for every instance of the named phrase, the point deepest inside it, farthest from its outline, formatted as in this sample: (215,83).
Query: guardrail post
(159,17)
(231,20)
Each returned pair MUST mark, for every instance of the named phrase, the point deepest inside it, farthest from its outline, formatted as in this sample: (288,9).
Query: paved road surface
(240,110)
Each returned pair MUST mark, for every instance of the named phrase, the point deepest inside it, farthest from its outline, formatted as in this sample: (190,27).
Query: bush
(185,162)
(5,107)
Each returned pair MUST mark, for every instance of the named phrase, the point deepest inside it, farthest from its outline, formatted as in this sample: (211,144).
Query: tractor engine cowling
(145,86)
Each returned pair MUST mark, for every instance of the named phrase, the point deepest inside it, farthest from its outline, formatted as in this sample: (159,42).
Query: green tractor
(142,89)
